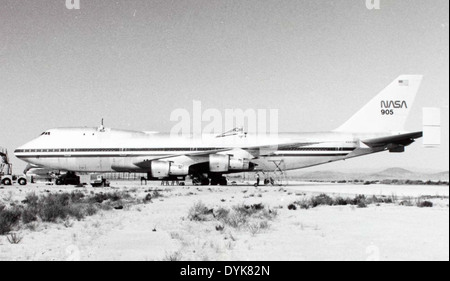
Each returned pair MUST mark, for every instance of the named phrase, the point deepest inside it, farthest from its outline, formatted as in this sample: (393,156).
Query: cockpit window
(45,134)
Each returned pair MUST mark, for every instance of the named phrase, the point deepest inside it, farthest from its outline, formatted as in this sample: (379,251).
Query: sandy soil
(162,231)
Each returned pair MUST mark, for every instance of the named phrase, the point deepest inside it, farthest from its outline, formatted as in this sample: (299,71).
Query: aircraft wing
(198,156)
(399,140)
(187,158)
(268,150)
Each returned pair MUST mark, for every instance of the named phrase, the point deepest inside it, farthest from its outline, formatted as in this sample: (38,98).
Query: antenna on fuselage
(102,127)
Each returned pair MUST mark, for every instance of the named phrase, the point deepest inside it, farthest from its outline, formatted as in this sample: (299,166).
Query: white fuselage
(162,155)
(108,150)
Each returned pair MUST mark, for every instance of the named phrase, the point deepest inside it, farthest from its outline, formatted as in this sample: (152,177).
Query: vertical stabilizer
(388,111)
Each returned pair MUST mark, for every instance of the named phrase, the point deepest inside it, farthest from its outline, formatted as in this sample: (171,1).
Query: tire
(205,181)
(22,181)
(214,181)
(58,182)
(6,182)
(223,181)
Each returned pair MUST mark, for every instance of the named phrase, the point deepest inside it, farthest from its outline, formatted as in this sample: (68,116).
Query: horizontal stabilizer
(431,127)
(397,140)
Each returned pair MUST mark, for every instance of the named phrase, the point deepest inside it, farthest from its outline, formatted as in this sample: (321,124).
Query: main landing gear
(217,180)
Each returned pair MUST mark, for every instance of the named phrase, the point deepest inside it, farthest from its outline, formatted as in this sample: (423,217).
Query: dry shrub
(425,204)
(173,257)
(9,218)
(199,212)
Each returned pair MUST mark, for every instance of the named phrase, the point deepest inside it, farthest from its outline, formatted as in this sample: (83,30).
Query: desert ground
(164,228)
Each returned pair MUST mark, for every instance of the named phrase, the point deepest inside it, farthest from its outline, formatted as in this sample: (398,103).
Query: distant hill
(441,176)
(387,174)
(323,175)
(398,173)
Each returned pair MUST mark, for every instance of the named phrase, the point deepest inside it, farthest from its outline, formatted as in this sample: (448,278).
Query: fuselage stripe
(162,155)
(96,150)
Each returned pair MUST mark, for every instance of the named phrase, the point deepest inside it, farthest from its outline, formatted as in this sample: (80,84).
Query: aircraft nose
(20,150)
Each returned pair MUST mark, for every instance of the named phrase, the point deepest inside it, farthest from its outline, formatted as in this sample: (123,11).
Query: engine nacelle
(160,169)
(220,163)
(163,169)
(178,170)
(239,164)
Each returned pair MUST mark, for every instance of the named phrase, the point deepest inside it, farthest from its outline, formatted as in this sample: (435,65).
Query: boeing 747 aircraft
(377,127)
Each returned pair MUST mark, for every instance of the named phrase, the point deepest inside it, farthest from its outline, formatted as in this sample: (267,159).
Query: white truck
(6,175)
(99,181)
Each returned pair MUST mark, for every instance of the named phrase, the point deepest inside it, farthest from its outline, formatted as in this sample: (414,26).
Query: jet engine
(163,169)
(221,163)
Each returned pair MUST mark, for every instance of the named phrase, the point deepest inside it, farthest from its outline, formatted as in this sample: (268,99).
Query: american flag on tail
(403,83)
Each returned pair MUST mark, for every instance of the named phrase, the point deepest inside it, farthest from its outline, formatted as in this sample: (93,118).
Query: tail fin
(388,111)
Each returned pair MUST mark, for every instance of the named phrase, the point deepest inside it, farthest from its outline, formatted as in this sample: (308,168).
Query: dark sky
(134,62)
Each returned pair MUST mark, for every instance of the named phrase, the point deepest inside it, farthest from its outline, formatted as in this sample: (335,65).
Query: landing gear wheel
(214,181)
(223,181)
(7,182)
(58,182)
(22,181)
(205,181)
